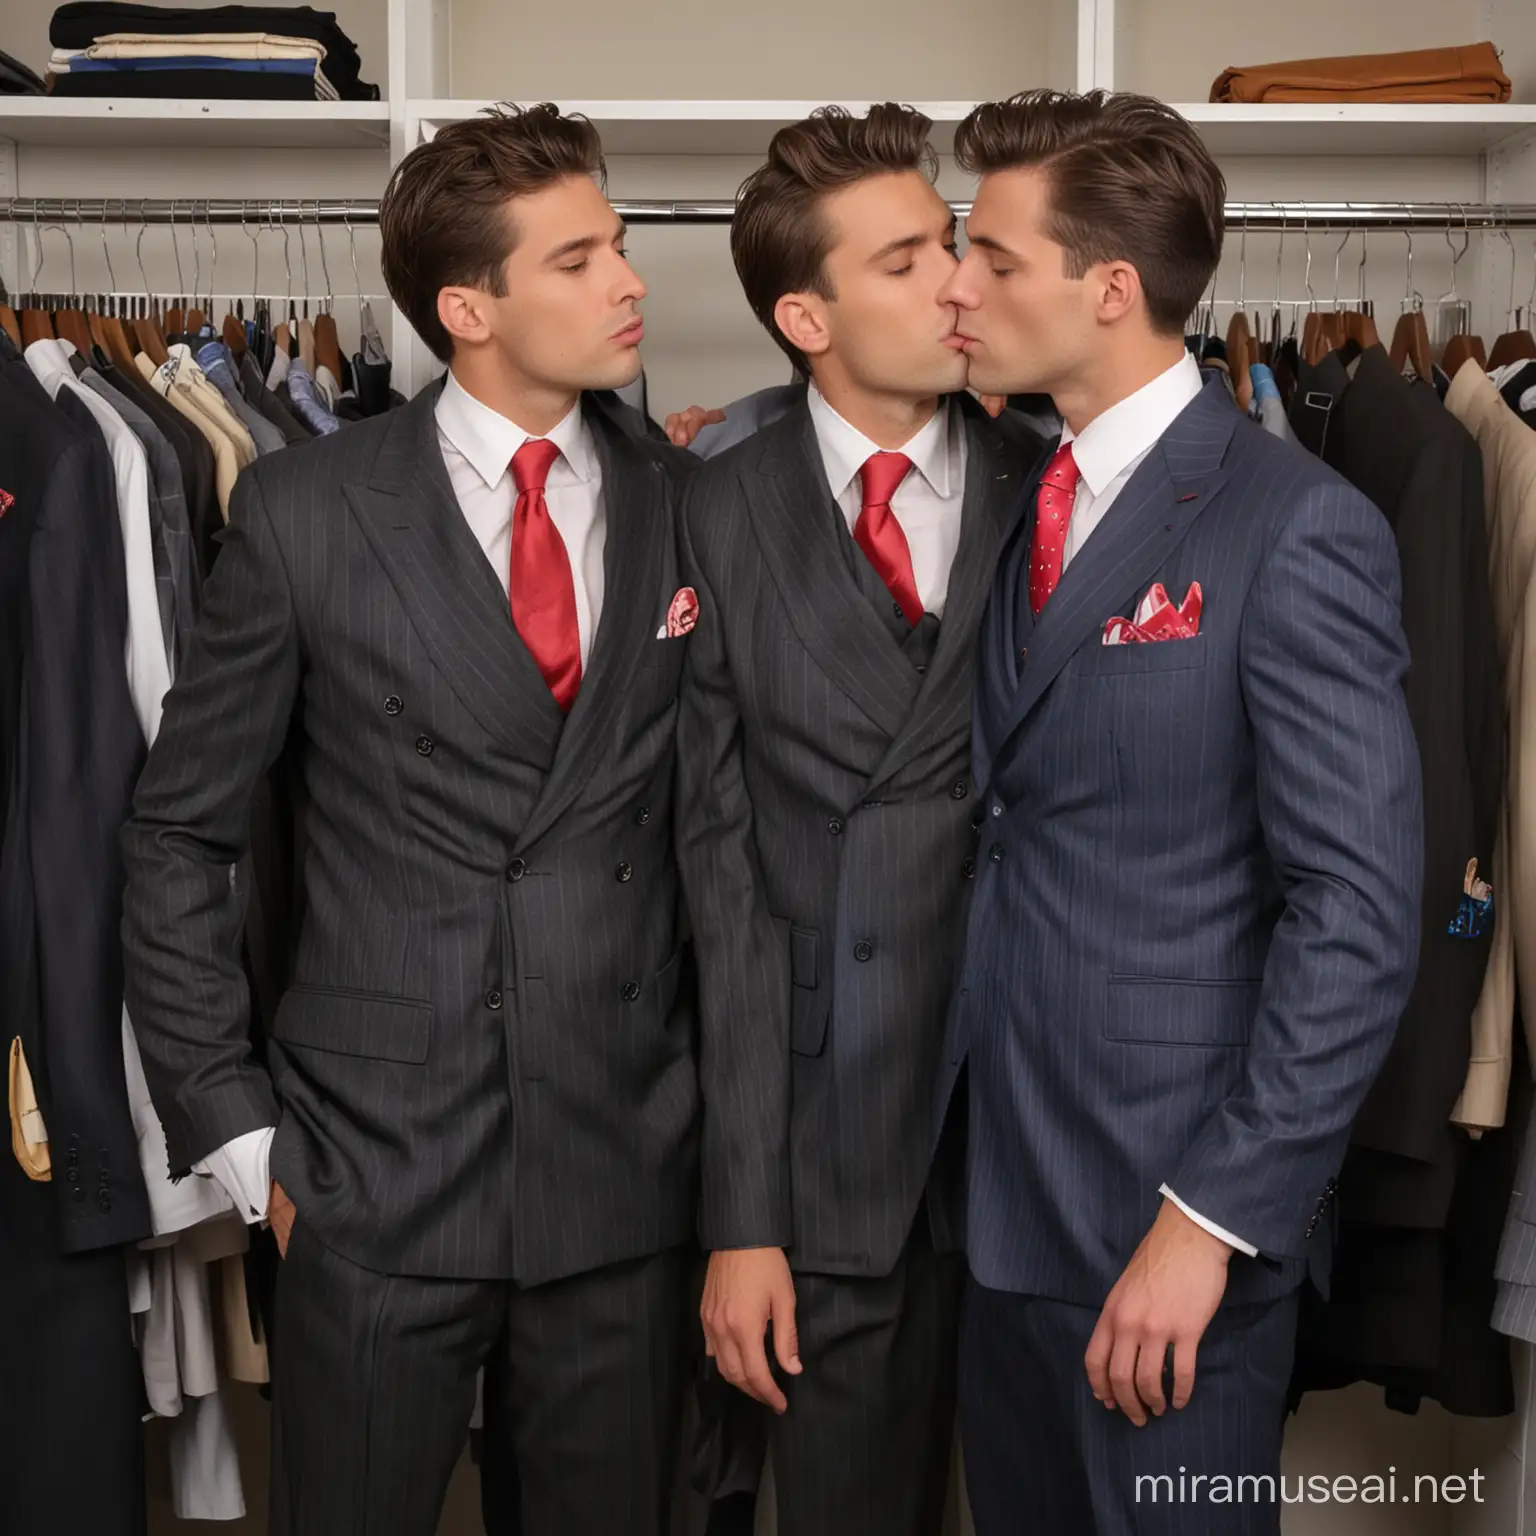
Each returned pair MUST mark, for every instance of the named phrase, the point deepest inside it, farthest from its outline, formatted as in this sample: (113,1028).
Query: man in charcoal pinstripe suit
(842,558)
(482,1081)
(1196,914)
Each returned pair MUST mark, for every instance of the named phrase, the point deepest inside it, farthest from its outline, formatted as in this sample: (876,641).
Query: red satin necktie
(543,592)
(1053,514)
(879,535)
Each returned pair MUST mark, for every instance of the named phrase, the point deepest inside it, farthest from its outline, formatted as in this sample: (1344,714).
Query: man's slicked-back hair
(1130,180)
(443,219)
(779,236)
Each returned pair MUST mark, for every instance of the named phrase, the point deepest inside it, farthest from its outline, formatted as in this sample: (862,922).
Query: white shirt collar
(844,448)
(1113,440)
(488,439)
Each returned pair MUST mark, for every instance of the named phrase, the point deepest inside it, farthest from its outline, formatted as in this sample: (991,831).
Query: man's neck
(888,421)
(1107,382)
(537,409)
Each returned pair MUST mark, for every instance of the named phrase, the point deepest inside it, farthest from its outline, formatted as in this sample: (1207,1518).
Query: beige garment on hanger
(226,458)
(307,345)
(29,1136)
(1508,448)
(211,399)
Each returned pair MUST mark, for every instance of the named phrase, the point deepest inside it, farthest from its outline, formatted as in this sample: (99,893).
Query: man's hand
(682,427)
(745,1290)
(280,1214)
(1167,1296)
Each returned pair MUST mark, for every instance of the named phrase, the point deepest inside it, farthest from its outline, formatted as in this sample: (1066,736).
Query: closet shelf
(745,127)
(85,121)
(1242,128)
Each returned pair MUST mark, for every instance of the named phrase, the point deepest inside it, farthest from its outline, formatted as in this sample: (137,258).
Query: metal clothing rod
(1286,217)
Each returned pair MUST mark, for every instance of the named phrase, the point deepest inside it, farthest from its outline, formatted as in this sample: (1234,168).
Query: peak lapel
(413,520)
(791,507)
(1145,525)
(995,481)
(634,559)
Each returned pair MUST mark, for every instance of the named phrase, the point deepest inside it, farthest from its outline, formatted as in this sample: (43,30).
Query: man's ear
(802,320)
(1119,290)
(462,314)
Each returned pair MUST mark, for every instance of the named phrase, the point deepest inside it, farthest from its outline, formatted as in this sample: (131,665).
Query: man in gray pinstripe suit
(467,617)
(1196,917)
(842,558)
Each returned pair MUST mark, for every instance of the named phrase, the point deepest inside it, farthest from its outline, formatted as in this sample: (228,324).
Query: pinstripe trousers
(1043,1457)
(374,1385)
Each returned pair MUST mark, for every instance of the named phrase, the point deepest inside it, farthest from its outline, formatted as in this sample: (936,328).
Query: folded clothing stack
(263,53)
(16,79)
(1464,76)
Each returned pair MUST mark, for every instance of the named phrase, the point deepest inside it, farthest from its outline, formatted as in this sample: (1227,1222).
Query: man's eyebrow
(905,243)
(585,243)
(987,243)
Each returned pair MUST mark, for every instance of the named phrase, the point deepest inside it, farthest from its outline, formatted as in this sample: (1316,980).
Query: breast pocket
(1143,657)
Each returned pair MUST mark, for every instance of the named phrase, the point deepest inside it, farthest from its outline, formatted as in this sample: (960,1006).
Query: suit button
(957,790)
(392,705)
(424,745)
(103,1204)
(643,815)
(996,854)
(921,669)
(997,810)
(968,869)
(73,1175)
(835,825)
(516,869)
(624,873)
(630,991)
(78,1193)
(493,1001)
(863,950)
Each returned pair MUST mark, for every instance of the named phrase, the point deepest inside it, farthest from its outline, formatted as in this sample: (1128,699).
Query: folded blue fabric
(240,66)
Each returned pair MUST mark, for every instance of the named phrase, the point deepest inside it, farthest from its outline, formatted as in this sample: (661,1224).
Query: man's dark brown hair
(444,222)
(779,237)
(1130,180)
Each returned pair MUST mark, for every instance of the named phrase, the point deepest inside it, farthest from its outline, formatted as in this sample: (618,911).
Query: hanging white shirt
(927,504)
(148,669)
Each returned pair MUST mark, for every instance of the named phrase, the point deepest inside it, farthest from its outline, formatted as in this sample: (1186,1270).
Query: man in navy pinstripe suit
(1196,916)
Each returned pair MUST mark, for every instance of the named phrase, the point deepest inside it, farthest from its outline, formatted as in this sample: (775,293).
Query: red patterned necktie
(543,592)
(879,535)
(1053,514)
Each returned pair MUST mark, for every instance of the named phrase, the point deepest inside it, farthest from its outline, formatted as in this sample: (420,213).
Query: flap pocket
(367,1024)
(1157,1011)
(809,1002)
(1146,656)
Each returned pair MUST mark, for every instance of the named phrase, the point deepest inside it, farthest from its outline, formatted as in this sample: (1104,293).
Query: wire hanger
(1517,343)
(1410,337)
(1240,348)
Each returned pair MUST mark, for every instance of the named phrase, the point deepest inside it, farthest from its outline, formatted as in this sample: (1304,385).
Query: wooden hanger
(328,345)
(1240,357)
(1360,328)
(1512,347)
(1463,349)
(10,324)
(1410,344)
(234,335)
(71,325)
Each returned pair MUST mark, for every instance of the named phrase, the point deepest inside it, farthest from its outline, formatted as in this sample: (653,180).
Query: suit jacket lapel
(413,520)
(791,505)
(634,554)
(1144,526)
(994,496)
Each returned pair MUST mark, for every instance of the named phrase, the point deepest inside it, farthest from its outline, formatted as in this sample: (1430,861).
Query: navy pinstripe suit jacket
(1196,918)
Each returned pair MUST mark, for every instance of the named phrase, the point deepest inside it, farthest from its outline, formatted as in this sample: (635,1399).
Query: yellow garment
(226,457)
(29,1136)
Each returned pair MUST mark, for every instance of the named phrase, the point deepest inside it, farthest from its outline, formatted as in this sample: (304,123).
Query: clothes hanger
(146,327)
(197,321)
(33,317)
(1360,322)
(172,319)
(327,341)
(1240,348)
(1517,343)
(8,321)
(69,318)
(1410,337)
(1462,345)
(113,338)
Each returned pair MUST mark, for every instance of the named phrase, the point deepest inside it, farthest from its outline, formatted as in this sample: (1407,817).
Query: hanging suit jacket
(1196,910)
(483,1065)
(825,833)
(73,745)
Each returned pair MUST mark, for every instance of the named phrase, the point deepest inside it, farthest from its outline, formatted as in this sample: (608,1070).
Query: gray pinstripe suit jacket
(484,1065)
(1196,918)
(824,831)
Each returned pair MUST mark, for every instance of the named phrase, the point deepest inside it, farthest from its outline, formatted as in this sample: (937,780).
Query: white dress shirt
(926,504)
(1112,446)
(1108,452)
(478,445)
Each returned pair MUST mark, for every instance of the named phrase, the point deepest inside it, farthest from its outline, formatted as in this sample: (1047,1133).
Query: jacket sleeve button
(393,704)
(516,869)
(630,991)
(424,745)
(624,873)
(493,1001)
(835,825)
(958,790)
(863,950)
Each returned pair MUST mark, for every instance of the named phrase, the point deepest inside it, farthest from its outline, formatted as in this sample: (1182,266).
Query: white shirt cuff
(1210,1226)
(243,1167)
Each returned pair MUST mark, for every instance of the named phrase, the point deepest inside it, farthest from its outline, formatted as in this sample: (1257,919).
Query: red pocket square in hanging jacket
(7,501)
(1157,618)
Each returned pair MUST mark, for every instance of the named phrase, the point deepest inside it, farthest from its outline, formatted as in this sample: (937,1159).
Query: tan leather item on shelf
(1466,75)
(29,1138)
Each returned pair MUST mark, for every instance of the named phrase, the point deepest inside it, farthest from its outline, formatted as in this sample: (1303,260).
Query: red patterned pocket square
(1157,618)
